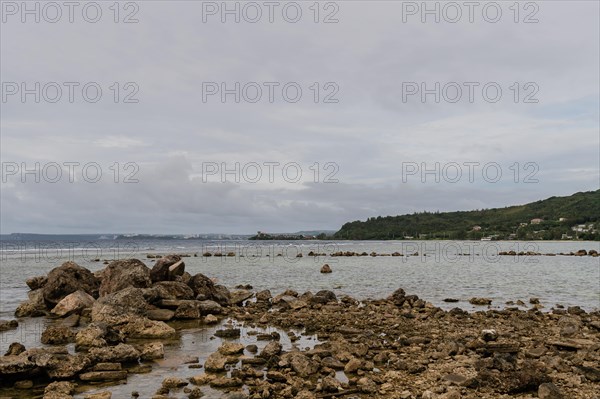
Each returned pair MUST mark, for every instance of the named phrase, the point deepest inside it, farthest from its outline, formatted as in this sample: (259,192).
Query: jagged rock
(171,290)
(112,354)
(73,303)
(151,351)
(173,383)
(161,271)
(226,382)
(35,283)
(12,366)
(59,365)
(330,384)
(57,335)
(119,307)
(202,286)
(35,306)
(14,349)
(230,348)
(273,348)
(121,274)
(215,362)
(549,391)
(96,335)
(95,376)
(221,295)
(301,364)
(239,296)
(66,279)
(59,390)
(264,296)
(143,328)
(323,297)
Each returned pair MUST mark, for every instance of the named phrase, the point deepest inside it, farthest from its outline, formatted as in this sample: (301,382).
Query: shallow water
(442,269)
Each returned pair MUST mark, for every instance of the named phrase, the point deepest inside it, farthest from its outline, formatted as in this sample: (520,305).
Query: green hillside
(514,222)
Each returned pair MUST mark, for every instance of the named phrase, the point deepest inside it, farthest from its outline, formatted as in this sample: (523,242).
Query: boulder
(35,306)
(239,296)
(59,390)
(95,376)
(480,301)
(143,328)
(171,290)
(57,362)
(15,349)
(6,325)
(119,307)
(73,303)
(273,348)
(215,362)
(221,295)
(160,314)
(301,364)
(151,351)
(202,286)
(323,297)
(167,268)
(66,279)
(14,366)
(121,274)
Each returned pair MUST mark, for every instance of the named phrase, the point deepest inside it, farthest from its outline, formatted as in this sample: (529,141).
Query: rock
(59,365)
(239,296)
(202,286)
(301,364)
(326,269)
(480,301)
(451,300)
(273,348)
(323,297)
(534,301)
(152,351)
(215,362)
(188,310)
(211,319)
(66,279)
(15,349)
(35,283)
(228,333)
(160,314)
(511,382)
(34,307)
(121,274)
(173,383)
(13,366)
(591,373)
(23,384)
(94,376)
(161,270)
(143,328)
(119,307)
(549,391)
(332,363)
(489,335)
(202,379)
(366,385)
(73,303)
(264,296)
(455,379)
(226,382)
(195,393)
(59,390)
(112,354)
(172,290)
(330,384)
(99,395)
(352,366)
(221,295)
(57,335)
(229,348)
(6,325)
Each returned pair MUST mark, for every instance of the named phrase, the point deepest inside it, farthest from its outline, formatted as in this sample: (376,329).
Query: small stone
(173,383)
(549,391)
(326,269)
(211,319)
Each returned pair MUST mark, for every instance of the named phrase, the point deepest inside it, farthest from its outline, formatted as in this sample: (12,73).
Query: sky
(233,117)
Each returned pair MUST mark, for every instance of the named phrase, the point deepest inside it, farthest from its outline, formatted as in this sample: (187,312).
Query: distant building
(476,228)
(566,237)
(536,221)
(562,219)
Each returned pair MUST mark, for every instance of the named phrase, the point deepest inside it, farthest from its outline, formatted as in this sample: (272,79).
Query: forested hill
(572,217)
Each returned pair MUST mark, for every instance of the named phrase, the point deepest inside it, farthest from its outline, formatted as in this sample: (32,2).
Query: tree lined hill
(559,215)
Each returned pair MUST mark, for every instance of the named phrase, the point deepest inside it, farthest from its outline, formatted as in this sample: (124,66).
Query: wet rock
(301,364)
(549,391)
(73,303)
(211,319)
(167,268)
(121,274)
(59,365)
(326,269)
(14,349)
(112,354)
(23,384)
(66,279)
(202,379)
(228,333)
(57,335)
(451,300)
(226,382)
(6,325)
(173,383)
(143,328)
(12,366)
(264,296)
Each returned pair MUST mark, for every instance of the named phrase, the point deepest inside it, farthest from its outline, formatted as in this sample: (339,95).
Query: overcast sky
(369,134)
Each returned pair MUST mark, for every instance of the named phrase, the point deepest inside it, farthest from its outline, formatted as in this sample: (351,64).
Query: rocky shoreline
(118,319)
